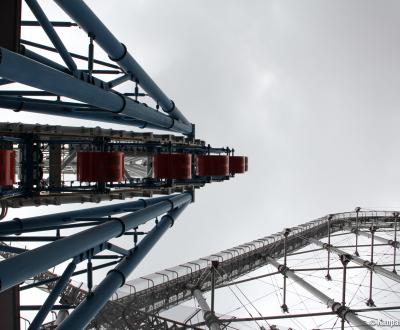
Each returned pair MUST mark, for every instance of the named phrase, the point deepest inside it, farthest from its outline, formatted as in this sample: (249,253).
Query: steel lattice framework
(65,165)
(152,294)
(47,163)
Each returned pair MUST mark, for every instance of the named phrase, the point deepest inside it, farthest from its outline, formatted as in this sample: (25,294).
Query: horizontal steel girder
(66,109)
(24,70)
(19,226)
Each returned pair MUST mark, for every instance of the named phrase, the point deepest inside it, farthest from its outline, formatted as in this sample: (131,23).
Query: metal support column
(285,235)
(370,301)
(344,258)
(115,278)
(395,245)
(214,265)
(357,212)
(338,308)
(209,317)
(328,275)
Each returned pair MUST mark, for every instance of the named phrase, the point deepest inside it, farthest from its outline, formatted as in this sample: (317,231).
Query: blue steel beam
(25,265)
(43,222)
(52,297)
(117,52)
(115,278)
(26,71)
(72,110)
(74,55)
(39,58)
(52,34)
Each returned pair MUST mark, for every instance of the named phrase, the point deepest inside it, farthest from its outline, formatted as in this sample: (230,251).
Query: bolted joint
(345,259)
(342,311)
(283,269)
(210,318)
(369,265)
(326,246)
(285,308)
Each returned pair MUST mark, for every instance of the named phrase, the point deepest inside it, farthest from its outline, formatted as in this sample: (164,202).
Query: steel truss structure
(46,159)
(139,302)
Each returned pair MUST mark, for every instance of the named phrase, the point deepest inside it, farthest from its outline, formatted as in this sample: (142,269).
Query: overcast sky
(307,89)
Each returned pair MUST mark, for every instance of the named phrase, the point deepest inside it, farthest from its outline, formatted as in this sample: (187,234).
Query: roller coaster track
(139,301)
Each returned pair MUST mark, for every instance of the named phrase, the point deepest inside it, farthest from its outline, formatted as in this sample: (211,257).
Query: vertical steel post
(90,55)
(370,302)
(115,278)
(395,243)
(284,306)
(214,265)
(344,258)
(357,211)
(328,275)
(52,297)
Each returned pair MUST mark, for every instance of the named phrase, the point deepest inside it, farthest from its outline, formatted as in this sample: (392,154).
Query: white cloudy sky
(307,89)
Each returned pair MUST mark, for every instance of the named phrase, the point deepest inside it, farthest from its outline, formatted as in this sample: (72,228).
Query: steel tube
(18,268)
(367,264)
(335,306)
(66,109)
(89,308)
(377,238)
(209,318)
(21,69)
(89,22)
(18,226)
(52,297)
(39,58)
(52,34)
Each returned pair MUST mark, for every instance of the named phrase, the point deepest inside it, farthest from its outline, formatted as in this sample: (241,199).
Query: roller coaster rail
(160,291)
